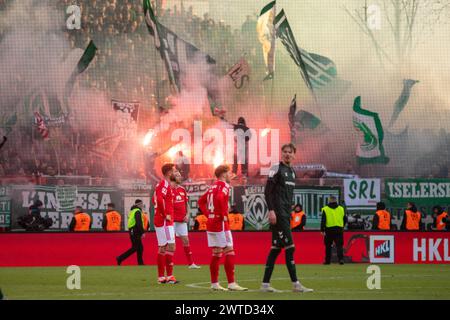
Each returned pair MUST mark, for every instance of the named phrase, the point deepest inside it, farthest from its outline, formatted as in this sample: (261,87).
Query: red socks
(229,266)
(214,268)
(187,251)
(161,264)
(169,263)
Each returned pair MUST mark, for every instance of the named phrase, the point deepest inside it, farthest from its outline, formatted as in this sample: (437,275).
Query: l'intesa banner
(95,249)
(60,201)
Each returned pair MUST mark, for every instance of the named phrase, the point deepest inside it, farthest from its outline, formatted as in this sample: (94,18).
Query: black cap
(138,201)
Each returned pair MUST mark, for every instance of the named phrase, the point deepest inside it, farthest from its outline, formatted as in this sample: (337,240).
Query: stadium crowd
(122,69)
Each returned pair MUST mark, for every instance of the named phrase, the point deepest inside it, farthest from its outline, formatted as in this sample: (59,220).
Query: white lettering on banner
(422,249)
(382,248)
(55,218)
(446,253)
(97,218)
(418,190)
(66,217)
(433,249)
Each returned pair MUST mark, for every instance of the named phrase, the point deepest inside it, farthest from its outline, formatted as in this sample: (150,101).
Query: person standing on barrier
(279,194)
(136,231)
(332,227)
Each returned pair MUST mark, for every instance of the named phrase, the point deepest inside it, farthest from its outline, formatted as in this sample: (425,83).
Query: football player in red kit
(181,217)
(163,221)
(215,204)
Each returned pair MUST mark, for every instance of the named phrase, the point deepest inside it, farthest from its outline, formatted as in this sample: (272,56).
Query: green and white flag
(83,63)
(371,150)
(178,55)
(319,72)
(402,100)
(266,34)
(284,32)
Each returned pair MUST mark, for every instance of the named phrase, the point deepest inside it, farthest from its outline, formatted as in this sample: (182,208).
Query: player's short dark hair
(112,205)
(166,168)
(289,145)
(221,170)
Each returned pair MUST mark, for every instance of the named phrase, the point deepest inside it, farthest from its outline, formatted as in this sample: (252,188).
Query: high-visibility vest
(132,218)
(296,218)
(202,220)
(384,220)
(113,221)
(335,217)
(144,214)
(236,221)
(412,220)
(82,222)
(439,224)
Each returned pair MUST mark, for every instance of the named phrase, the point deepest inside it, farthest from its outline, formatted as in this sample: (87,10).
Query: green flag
(178,55)
(371,150)
(318,72)
(284,32)
(402,100)
(266,34)
(83,63)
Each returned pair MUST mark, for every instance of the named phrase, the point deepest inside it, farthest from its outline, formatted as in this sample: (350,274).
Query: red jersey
(180,200)
(163,204)
(214,205)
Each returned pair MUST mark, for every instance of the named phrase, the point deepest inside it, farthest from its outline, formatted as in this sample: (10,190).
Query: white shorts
(165,235)
(181,229)
(220,239)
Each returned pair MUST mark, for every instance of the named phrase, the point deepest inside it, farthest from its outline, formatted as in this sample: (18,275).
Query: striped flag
(42,128)
(266,35)
(176,53)
(317,71)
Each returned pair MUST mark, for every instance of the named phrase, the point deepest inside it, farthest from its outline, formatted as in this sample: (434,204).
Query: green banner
(423,192)
(5,207)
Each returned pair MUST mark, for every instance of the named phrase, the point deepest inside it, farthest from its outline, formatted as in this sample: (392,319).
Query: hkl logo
(382,248)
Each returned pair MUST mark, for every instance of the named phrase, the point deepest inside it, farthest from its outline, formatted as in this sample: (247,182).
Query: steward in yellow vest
(382,218)
(332,226)
(136,230)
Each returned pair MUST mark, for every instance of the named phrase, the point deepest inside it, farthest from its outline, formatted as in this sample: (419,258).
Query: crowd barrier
(100,249)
